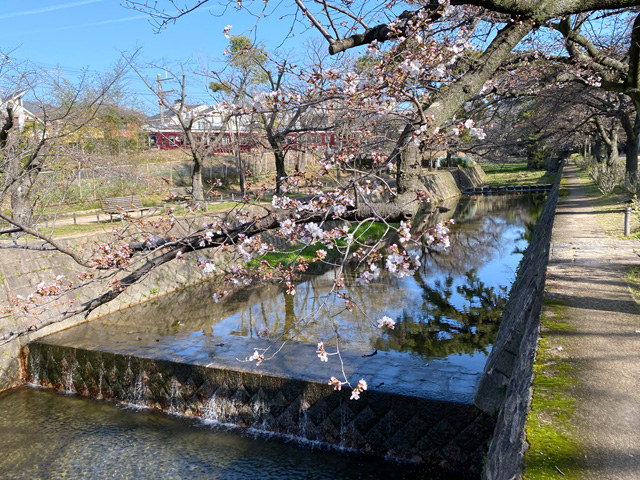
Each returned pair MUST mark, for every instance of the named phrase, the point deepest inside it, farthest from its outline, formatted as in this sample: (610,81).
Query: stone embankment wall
(447,184)
(22,270)
(505,386)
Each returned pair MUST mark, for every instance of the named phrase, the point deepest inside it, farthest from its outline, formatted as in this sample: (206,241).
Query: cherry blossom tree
(288,98)
(202,130)
(422,67)
(604,47)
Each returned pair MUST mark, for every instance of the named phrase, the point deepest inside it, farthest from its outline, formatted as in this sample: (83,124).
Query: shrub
(581,162)
(606,177)
(462,161)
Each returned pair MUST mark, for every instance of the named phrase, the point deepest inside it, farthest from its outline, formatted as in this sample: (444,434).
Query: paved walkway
(587,274)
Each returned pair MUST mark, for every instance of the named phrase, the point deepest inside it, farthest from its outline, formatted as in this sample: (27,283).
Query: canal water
(447,311)
(47,435)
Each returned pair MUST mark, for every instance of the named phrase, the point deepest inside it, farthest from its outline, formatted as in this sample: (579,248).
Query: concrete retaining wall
(443,434)
(447,184)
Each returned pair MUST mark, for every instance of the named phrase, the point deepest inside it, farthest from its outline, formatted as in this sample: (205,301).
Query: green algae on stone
(365,233)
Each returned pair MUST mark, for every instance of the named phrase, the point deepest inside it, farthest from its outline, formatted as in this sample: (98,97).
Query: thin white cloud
(118,20)
(73,27)
(50,8)
(104,22)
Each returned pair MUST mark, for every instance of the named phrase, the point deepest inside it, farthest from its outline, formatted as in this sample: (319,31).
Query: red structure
(167,140)
(312,139)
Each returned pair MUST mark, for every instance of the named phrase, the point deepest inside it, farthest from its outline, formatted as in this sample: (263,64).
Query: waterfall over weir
(448,434)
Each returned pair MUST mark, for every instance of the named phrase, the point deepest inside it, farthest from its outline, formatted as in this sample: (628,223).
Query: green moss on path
(554,451)
(633,279)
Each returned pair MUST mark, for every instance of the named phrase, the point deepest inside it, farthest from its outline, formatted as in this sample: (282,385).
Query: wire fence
(118,179)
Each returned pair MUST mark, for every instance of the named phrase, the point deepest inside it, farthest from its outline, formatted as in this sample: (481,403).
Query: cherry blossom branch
(383,32)
(355,18)
(314,21)
(574,37)
(160,17)
(633,75)
(544,9)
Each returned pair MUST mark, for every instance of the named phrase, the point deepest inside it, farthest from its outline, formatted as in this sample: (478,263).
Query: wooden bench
(120,205)
(179,194)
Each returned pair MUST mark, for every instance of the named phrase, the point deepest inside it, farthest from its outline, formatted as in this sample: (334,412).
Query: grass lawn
(514,174)
(87,223)
(64,231)
(609,208)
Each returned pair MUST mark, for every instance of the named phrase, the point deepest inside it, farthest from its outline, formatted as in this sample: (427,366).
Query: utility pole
(160,99)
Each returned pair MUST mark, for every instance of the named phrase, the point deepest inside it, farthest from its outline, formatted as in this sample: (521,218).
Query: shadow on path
(586,277)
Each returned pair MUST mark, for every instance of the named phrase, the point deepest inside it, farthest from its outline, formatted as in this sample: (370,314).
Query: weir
(398,418)
(508,189)
(419,402)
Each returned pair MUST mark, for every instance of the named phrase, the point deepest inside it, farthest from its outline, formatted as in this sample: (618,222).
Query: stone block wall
(22,270)
(505,386)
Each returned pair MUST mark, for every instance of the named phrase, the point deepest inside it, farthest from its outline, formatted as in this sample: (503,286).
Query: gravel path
(587,274)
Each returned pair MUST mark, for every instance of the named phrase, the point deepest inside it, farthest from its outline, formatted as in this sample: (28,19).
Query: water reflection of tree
(307,318)
(441,328)
(479,233)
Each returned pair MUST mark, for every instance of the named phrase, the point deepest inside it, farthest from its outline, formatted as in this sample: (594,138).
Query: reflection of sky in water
(487,238)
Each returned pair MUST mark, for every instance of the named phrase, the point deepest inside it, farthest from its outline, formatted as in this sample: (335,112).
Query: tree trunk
(631,129)
(281,172)
(409,169)
(612,149)
(21,211)
(607,143)
(240,169)
(599,150)
(19,182)
(631,165)
(197,188)
(238,155)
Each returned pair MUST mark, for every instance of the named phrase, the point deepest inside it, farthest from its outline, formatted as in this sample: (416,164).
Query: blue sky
(76,34)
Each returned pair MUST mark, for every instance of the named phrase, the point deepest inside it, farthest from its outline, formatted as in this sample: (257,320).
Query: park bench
(121,205)
(179,194)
